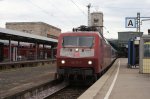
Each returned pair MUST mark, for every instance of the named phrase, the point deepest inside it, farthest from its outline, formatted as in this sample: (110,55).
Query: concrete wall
(38,28)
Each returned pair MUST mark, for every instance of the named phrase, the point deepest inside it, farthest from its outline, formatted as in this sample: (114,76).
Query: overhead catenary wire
(117,7)
(68,22)
(106,29)
(78,7)
(64,14)
(40,8)
(46,12)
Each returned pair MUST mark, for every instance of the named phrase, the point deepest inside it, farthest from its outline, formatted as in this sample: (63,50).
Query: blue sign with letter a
(130,22)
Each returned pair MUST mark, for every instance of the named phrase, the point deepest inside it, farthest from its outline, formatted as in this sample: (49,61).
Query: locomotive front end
(76,55)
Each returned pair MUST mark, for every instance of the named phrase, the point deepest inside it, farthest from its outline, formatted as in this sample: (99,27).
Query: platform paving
(16,80)
(129,84)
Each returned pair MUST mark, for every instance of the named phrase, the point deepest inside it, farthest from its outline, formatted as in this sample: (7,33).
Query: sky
(67,14)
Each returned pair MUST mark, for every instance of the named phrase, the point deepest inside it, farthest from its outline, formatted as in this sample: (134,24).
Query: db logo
(77,54)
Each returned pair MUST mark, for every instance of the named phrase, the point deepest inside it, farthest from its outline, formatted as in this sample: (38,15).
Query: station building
(123,38)
(38,28)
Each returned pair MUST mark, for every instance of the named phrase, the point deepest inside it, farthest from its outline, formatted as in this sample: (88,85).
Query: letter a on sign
(130,22)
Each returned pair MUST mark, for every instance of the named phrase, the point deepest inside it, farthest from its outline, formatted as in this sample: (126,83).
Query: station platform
(17,80)
(120,82)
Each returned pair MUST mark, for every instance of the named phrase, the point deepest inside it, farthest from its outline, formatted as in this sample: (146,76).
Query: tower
(89,6)
(97,21)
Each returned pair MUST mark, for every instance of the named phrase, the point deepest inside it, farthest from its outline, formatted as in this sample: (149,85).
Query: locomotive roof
(86,32)
(83,32)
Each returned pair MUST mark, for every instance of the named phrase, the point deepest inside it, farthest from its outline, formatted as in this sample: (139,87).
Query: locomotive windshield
(78,41)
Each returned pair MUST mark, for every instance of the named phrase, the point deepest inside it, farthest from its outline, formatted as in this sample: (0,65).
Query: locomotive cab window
(78,41)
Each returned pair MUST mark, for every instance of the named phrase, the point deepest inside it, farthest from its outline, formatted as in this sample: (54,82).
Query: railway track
(51,90)
(69,92)
(39,92)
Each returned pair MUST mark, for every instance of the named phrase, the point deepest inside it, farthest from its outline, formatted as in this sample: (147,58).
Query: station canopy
(7,34)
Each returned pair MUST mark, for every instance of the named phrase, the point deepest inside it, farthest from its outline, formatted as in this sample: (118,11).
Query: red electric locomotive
(83,54)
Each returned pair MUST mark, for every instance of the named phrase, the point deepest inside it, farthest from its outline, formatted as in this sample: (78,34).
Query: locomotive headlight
(76,49)
(63,61)
(89,62)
